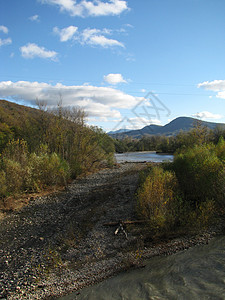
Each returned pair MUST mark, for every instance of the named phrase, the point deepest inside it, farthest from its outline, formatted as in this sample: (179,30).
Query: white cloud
(32,50)
(216,85)
(96,101)
(221,95)
(66,33)
(89,36)
(4,42)
(114,78)
(90,8)
(34,18)
(140,122)
(207,115)
(95,37)
(4,29)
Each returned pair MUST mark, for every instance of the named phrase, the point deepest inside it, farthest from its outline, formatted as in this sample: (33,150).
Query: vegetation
(170,144)
(187,193)
(40,148)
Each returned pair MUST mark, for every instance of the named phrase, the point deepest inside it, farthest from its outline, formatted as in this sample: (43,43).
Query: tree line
(169,144)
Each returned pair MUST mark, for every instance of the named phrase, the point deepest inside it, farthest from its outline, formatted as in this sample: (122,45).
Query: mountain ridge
(170,129)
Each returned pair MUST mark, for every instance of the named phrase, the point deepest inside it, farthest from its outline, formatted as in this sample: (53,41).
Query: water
(149,156)
(197,273)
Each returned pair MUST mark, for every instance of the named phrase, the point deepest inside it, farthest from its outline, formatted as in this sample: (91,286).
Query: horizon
(126,63)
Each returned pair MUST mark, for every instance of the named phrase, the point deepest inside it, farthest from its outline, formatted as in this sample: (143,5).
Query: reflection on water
(142,156)
(197,273)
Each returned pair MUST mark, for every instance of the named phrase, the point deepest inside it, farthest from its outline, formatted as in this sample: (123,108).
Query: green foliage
(16,150)
(49,147)
(220,149)
(3,186)
(6,134)
(200,173)
(156,199)
(45,170)
(14,174)
(198,135)
(186,193)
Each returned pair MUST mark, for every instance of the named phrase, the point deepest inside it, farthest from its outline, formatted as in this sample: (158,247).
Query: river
(197,273)
(149,156)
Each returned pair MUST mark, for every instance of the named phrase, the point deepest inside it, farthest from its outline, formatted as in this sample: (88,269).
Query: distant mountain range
(172,128)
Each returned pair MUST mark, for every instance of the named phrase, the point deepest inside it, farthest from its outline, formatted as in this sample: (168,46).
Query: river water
(149,156)
(197,273)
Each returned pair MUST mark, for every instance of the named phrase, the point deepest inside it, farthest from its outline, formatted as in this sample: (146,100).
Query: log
(125,222)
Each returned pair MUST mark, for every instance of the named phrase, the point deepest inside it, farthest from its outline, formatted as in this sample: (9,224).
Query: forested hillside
(41,147)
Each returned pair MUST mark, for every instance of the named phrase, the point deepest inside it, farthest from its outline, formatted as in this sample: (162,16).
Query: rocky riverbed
(59,243)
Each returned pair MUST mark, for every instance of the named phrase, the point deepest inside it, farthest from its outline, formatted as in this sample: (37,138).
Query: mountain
(172,128)
(118,131)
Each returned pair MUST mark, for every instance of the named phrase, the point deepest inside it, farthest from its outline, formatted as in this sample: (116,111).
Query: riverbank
(59,243)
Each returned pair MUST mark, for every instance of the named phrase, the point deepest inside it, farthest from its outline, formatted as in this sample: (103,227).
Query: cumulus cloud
(114,78)
(97,37)
(34,18)
(4,29)
(4,42)
(207,115)
(215,86)
(90,8)
(32,50)
(66,33)
(96,101)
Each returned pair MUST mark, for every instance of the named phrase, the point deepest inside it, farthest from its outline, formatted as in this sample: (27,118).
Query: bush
(23,172)
(16,151)
(3,186)
(158,198)
(14,176)
(200,174)
(46,169)
(188,192)
(220,149)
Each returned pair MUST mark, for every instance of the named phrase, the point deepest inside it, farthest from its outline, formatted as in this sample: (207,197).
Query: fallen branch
(125,222)
(121,227)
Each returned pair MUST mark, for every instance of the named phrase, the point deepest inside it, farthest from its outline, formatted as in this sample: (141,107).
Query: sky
(126,63)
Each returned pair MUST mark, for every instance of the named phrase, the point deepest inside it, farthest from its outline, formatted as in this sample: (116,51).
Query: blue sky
(126,63)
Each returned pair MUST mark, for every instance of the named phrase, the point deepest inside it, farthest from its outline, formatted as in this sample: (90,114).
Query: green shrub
(202,216)
(157,199)
(3,186)
(200,174)
(16,150)
(46,169)
(220,149)
(14,174)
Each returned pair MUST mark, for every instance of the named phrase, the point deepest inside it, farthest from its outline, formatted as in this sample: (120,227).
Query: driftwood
(125,222)
(122,229)
(121,225)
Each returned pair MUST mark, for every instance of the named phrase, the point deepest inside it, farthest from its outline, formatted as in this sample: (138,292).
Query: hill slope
(172,128)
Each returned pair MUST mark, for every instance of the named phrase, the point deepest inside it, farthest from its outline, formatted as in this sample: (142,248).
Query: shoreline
(162,249)
(62,245)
